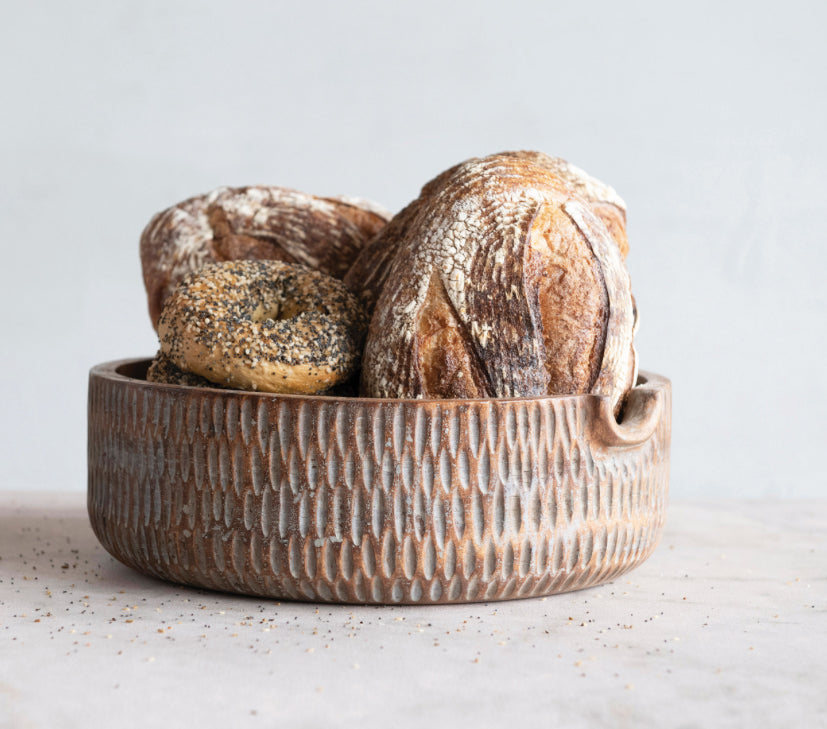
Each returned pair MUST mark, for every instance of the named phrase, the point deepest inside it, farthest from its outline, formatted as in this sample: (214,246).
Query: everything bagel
(264,325)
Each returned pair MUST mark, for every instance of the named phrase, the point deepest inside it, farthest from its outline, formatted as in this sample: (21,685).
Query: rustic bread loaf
(263,223)
(369,271)
(500,280)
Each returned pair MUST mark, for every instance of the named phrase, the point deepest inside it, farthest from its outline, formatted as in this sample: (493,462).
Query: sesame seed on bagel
(264,325)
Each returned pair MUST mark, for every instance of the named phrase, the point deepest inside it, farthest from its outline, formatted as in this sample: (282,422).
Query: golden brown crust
(259,223)
(445,365)
(370,270)
(602,199)
(567,298)
(614,218)
(502,282)
(264,325)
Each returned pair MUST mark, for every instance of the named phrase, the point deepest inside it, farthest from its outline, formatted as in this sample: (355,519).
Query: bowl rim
(112,370)
(641,414)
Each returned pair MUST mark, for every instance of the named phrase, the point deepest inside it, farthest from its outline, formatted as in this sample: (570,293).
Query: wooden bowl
(374,501)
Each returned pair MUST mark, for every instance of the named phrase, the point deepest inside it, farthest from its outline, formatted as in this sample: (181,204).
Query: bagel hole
(276,312)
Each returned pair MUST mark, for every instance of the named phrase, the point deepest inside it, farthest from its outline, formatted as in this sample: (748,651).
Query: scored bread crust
(255,223)
(602,199)
(502,281)
(369,271)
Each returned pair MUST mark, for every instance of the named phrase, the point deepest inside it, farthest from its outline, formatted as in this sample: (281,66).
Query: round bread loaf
(263,325)
(259,223)
(370,270)
(503,282)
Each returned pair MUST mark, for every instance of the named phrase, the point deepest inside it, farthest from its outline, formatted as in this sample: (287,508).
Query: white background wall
(708,117)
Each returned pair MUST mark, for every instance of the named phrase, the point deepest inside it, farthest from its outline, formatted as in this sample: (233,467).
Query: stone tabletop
(724,626)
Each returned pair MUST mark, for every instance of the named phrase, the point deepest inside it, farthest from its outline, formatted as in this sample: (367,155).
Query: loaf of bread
(505,278)
(263,223)
(369,271)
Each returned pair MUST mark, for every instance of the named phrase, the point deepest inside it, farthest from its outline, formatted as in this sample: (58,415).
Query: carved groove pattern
(367,501)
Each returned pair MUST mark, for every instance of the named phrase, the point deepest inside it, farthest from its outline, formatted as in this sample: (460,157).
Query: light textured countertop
(724,626)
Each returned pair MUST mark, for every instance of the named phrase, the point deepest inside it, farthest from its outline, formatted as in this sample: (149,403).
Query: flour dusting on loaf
(370,270)
(493,287)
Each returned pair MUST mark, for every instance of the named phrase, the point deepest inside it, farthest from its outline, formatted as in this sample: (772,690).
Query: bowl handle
(641,415)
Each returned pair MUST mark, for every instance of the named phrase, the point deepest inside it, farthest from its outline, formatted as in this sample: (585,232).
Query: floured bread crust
(602,199)
(256,223)
(500,280)
(370,270)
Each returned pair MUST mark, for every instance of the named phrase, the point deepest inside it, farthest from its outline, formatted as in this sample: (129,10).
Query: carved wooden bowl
(374,501)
